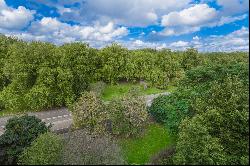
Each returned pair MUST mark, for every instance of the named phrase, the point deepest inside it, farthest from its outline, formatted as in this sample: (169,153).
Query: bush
(170,110)
(45,150)
(88,112)
(128,115)
(83,149)
(19,133)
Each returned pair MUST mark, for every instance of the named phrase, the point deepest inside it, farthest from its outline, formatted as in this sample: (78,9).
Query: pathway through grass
(140,150)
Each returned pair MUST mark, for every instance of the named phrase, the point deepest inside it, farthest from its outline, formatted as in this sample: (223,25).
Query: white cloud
(125,12)
(179,44)
(11,18)
(187,20)
(193,16)
(196,38)
(179,30)
(52,30)
(235,41)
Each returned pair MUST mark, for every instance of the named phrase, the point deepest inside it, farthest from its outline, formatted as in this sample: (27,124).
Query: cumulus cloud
(193,16)
(187,20)
(125,12)
(11,18)
(51,29)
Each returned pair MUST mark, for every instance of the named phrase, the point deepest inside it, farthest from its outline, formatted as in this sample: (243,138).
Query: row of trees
(36,75)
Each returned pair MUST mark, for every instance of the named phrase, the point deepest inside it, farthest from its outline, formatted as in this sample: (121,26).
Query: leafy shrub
(19,133)
(83,149)
(44,150)
(127,115)
(88,112)
(98,87)
(169,110)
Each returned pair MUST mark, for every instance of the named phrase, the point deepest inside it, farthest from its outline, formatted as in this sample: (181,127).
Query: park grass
(116,91)
(140,150)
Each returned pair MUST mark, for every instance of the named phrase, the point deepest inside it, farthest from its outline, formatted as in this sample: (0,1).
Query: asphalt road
(61,119)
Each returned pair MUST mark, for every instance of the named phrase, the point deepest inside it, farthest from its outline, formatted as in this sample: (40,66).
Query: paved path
(61,119)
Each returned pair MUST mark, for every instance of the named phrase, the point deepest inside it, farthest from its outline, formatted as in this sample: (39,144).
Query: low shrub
(45,150)
(88,112)
(83,149)
(128,115)
(170,110)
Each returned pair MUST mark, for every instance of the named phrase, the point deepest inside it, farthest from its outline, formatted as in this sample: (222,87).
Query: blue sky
(208,25)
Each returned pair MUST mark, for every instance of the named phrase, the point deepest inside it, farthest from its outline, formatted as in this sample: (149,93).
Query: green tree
(195,146)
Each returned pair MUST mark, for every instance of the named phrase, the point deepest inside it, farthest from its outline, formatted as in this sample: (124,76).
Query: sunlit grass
(116,91)
(140,150)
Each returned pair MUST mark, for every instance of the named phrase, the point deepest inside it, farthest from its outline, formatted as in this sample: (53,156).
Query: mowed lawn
(140,150)
(116,91)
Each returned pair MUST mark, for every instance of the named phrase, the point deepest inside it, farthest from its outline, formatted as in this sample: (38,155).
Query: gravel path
(61,119)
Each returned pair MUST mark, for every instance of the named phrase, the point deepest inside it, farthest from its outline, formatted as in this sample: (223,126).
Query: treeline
(37,75)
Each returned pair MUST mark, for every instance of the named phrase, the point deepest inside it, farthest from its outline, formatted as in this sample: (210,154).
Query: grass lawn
(115,91)
(140,150)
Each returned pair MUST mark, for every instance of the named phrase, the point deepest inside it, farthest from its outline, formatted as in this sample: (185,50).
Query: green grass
(140,150)
(116,91)
(10,113)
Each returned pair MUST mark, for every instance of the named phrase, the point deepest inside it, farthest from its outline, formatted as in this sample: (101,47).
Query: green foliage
(88,112)
(38,75)
(82,61)
(222,105)
(170,110)
(191,59)
(19,133)
(195,146)
(128,115)
(80,148)
(44,150)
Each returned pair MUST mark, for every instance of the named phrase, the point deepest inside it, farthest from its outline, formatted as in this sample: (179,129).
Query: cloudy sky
(208,25)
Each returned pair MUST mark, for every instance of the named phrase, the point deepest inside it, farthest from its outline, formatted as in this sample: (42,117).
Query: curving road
(61,119)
